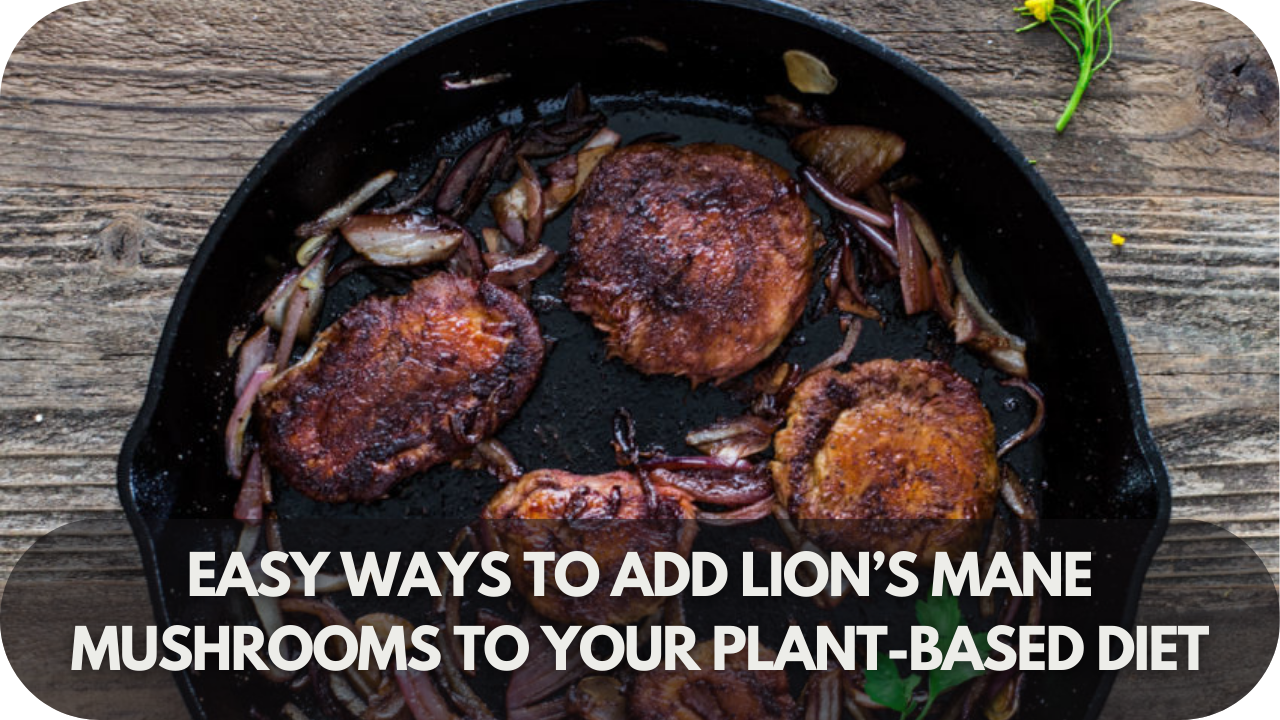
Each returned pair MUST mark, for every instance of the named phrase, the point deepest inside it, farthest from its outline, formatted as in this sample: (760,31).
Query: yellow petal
(1117,240)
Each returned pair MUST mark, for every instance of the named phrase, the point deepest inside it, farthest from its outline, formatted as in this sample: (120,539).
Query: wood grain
(125,127)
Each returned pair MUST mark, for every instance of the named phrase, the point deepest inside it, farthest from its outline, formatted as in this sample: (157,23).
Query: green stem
(1086,74)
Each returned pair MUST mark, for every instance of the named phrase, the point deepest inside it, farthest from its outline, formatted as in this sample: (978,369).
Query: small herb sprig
(1090,22)
(885,686)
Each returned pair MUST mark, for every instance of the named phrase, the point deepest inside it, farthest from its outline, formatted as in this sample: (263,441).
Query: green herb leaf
(941,613)
(885,686)
(941,680)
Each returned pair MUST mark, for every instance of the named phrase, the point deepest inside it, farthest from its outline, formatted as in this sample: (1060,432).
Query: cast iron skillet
(715,62)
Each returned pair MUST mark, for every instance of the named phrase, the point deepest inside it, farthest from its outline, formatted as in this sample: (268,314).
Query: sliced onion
(455,81)
(808,74)
(887,246)
(1037,421)
(1003,703)
(421,696)
(974,326)
(293,316)
(255,351)
(484,175)
(595,149)
(388,704)
(854,157)
(239,420)
(465,172)
(735,439)
(694,462)
(307,250)
(500,461)
(400,240)
(272,309)
(338,214)
(522,268)
(732,488)
(249,505)
(842,354)
(466,260)
(1016,496)
(913,272)
(346,696)
(845,204)
(924,233)
(425,194)
(534,201)
(822,696)
(538,678)
(308,284)
(562,184)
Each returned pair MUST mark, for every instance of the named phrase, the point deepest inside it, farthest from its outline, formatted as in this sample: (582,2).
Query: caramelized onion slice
(400,240)
(422,697)
(854,157)
(338,214)
(524,268)
(239,420)
(976,327)
(733,439)
(913,275)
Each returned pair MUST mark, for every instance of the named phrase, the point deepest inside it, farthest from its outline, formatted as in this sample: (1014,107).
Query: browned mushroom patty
(695,261)
(606,516)
(399,384)
(734,693)
(885,442)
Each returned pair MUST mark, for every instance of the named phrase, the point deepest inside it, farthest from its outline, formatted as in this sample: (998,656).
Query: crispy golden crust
(695,261)
(399,384)
(734,693)
(885,442)
(606,516)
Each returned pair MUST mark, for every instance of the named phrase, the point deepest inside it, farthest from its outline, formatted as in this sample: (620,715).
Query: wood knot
(1238,90)
(119,244)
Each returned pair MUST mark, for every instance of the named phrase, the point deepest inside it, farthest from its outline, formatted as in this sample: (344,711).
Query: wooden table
(126,125)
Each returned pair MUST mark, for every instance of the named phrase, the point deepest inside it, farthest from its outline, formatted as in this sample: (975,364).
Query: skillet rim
(139,430)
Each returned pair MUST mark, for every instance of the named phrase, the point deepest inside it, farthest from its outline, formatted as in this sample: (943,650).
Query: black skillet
(696,68)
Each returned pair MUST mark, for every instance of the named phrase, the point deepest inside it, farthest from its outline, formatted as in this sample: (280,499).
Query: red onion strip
(465,171)
(917,288)
(249,503)
(289,333)
(845,204)
(534,201)
(239,420)
(421,696)
(255,351)
(338,214)
(694,462)
(846,348)
(424,194)
(880,240)
(522,268)
(1037,421)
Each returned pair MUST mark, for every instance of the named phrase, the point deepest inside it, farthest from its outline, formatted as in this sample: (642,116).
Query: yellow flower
(1040,9)
(1117,240)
